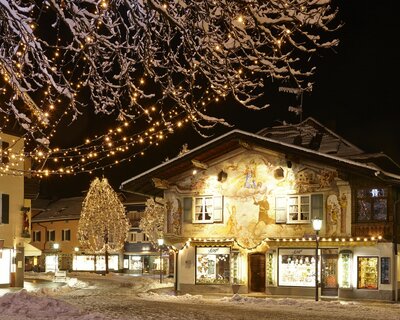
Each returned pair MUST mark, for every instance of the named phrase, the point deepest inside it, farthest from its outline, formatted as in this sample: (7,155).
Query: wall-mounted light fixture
(222,176)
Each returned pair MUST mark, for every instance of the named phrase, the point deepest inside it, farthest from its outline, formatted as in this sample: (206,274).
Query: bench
(60,276)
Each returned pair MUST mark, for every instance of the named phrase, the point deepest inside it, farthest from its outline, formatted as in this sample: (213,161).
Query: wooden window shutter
(317,206)
(5,208)
(4,156)
(280,210)
(187,209)
(218,208)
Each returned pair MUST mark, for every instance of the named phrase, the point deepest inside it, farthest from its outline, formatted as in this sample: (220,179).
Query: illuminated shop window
(5,266)
(87,263)
(212,265)
(236,270)
(367,272)
(345,267)
(270,268)
(371,204)
(296,267)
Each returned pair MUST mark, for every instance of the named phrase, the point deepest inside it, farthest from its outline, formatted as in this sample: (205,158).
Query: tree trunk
(106,257)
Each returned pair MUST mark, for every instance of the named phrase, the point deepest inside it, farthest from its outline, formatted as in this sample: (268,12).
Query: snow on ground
(87,296)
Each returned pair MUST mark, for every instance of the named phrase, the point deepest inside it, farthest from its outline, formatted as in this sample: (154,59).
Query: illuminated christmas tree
(152,221)
(103,226)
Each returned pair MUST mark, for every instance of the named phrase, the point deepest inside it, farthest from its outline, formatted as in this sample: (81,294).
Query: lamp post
(317,224)
(56,246)
(160,244)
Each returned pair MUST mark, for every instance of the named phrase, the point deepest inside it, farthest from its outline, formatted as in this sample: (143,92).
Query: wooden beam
(245,145)
(160,183)
(199,165)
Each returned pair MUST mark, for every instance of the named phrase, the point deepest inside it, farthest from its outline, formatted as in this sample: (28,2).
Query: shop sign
(211,250)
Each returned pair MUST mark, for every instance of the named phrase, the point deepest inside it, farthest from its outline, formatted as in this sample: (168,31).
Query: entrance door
(257,272)
(329,272)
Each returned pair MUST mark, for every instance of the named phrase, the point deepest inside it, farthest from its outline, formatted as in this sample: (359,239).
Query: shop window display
(367,272)
(296,267)
(269,265)
(345,259)
(236,271)
(212,265)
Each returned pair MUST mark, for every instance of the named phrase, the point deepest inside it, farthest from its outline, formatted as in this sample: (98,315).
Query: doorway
(257,272)
(329,272)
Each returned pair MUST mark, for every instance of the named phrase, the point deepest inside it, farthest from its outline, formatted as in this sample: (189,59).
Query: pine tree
(103,226)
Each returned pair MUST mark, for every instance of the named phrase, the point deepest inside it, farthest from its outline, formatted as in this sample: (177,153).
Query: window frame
(210,204)
(359,275)
(315,205)
(64,234)
(36,236)
(48,233)
(370,199)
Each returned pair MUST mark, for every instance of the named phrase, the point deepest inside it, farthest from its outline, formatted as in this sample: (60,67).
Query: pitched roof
(143,183)
(62,209)
(312,135)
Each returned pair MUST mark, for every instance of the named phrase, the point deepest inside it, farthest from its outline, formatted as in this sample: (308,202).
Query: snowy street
(87,297)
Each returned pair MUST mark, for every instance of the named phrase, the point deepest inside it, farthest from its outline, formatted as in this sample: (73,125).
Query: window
(212,265)
(296,267)
(36,236)
(51,235)
(66,235)
(367,272)
(371,204)
(298,208)
(203,209)
(136,237)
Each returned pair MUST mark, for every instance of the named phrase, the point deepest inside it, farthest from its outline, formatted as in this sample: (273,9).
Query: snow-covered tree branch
(122,57)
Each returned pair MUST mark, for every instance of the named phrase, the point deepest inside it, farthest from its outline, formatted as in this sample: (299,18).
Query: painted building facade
(15,211)
(243,221)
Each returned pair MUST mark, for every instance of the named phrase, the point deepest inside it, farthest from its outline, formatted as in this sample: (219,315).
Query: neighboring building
(140,257)
(15,210)
(55,232)
(243,222)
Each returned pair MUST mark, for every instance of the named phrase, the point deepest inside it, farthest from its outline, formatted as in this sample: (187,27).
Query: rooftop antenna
(299,95)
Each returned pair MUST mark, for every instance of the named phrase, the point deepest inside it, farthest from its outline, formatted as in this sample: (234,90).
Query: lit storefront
(5,266)
(296,267)
(212,265)
(141,264)
(94,263)
(347,272)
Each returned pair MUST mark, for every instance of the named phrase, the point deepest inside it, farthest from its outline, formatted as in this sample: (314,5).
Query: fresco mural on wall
(249,193)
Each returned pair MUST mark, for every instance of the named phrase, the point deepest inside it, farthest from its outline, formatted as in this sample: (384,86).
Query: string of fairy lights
(136,129)
(283,240)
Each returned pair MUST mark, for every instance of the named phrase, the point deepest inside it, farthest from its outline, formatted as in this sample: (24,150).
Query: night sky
(355,94)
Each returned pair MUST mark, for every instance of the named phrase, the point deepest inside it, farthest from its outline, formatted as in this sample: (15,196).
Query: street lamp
(317,224)
(56,246)
(160,244)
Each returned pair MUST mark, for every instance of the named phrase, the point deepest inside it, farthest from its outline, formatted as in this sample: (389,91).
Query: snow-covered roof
(168,168)
(62,209)
(313,135)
